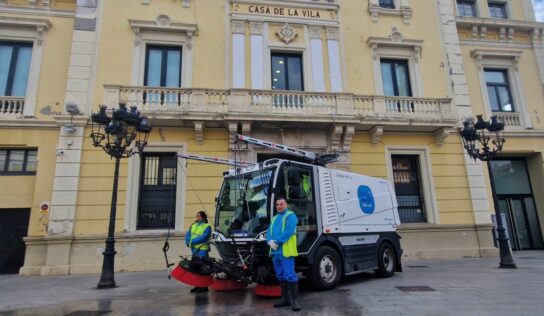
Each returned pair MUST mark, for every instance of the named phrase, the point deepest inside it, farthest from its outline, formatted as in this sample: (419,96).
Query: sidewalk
(426,287)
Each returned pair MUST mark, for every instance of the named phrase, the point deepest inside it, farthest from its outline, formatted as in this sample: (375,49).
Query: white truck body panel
(360,204)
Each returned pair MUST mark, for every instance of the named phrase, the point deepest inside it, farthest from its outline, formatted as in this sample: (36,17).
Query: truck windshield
(242,207)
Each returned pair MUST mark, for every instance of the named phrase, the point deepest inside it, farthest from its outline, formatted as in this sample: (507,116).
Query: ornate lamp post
(484,140)
(120,136)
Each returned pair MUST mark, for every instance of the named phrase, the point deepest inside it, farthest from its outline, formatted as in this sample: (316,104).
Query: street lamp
(120,136)
(485,146)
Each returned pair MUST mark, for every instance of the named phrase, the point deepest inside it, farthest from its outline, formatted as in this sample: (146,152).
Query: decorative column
(79,90)
(316,49)
(238,54)
(333,48)
(257,55)
(459,91)
(538,48)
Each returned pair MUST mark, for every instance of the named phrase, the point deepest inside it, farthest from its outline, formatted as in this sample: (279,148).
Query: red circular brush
(268,290)
(226,285)
(187,277)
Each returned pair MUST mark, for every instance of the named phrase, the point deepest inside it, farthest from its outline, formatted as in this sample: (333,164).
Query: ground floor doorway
(13,227)
(516,201)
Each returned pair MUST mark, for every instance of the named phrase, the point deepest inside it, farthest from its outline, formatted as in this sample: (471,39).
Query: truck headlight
(261,236)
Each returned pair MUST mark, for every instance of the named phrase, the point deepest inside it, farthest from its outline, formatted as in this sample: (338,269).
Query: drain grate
(416,266)
(87,313)
(417,288)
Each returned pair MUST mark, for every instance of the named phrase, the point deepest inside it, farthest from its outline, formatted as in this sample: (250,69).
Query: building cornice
(477,53)
(163,24)
(494,44)
(524,133)
(27,123)
(76,120)
(497,23)
(507,30)
(38,24)
(387,41)
(37,11)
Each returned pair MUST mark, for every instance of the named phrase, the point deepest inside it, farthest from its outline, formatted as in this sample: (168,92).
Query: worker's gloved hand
(273,244)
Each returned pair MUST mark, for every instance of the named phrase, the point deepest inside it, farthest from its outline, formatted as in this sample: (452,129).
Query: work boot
(294,295)
(285,299)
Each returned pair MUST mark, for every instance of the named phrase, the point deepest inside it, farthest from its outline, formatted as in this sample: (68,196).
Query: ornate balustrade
(295,105)
(11,107)
(510,120)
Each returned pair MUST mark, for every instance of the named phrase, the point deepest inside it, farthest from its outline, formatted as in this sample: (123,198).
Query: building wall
(30,191)
(202,181)
(357,26)
(457,225)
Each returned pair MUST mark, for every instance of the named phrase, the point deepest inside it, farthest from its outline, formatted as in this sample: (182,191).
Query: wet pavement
(426,287)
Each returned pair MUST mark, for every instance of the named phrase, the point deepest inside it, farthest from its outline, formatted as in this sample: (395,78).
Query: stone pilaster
(79,90)
(461,99)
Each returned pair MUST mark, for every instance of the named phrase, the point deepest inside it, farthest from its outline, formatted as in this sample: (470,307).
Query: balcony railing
(511,120)
(11,106)
(170,101)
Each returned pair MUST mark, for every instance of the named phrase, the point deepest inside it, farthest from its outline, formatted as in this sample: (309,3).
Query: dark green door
(517,203)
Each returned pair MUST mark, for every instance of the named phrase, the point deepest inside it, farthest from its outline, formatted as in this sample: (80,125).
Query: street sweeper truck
(346,221)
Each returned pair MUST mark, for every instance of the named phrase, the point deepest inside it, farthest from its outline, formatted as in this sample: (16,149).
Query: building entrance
(13,227)
(516,201)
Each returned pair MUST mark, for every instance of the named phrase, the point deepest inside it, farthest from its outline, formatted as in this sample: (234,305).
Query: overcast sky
(539,9)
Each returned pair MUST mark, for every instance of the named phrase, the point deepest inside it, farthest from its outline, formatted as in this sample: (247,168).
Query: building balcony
(395,113)
(11,107)
(511,120)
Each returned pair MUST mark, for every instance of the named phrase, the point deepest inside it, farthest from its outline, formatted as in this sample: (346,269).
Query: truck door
(296,184)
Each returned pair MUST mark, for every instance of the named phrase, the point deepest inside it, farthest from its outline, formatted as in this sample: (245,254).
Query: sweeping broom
(183,274)
(267,290)
(226,285)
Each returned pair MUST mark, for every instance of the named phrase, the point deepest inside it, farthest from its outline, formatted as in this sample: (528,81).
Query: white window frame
(503,60)
(31,31)
(133,187)
(294,49)
(476,8)
(427,183)
(507,7)
(162,32)
(397,48)
(402,8)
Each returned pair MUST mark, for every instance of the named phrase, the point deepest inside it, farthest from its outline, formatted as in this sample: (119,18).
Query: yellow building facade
(385,83)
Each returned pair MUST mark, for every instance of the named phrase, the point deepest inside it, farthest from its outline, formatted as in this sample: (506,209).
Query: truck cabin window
(242,208)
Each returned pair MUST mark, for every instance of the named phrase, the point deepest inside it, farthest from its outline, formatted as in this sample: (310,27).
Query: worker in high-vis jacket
(282,239)
(197,239)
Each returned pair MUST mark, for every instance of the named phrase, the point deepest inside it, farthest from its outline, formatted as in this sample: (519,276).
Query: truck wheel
(387,261)
(326,271)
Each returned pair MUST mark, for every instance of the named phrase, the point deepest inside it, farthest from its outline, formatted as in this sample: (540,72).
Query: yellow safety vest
(197,231)
(289,249)
(306,185)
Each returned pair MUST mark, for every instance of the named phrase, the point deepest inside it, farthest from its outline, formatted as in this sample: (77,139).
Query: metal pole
(107,279)
(506,256)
